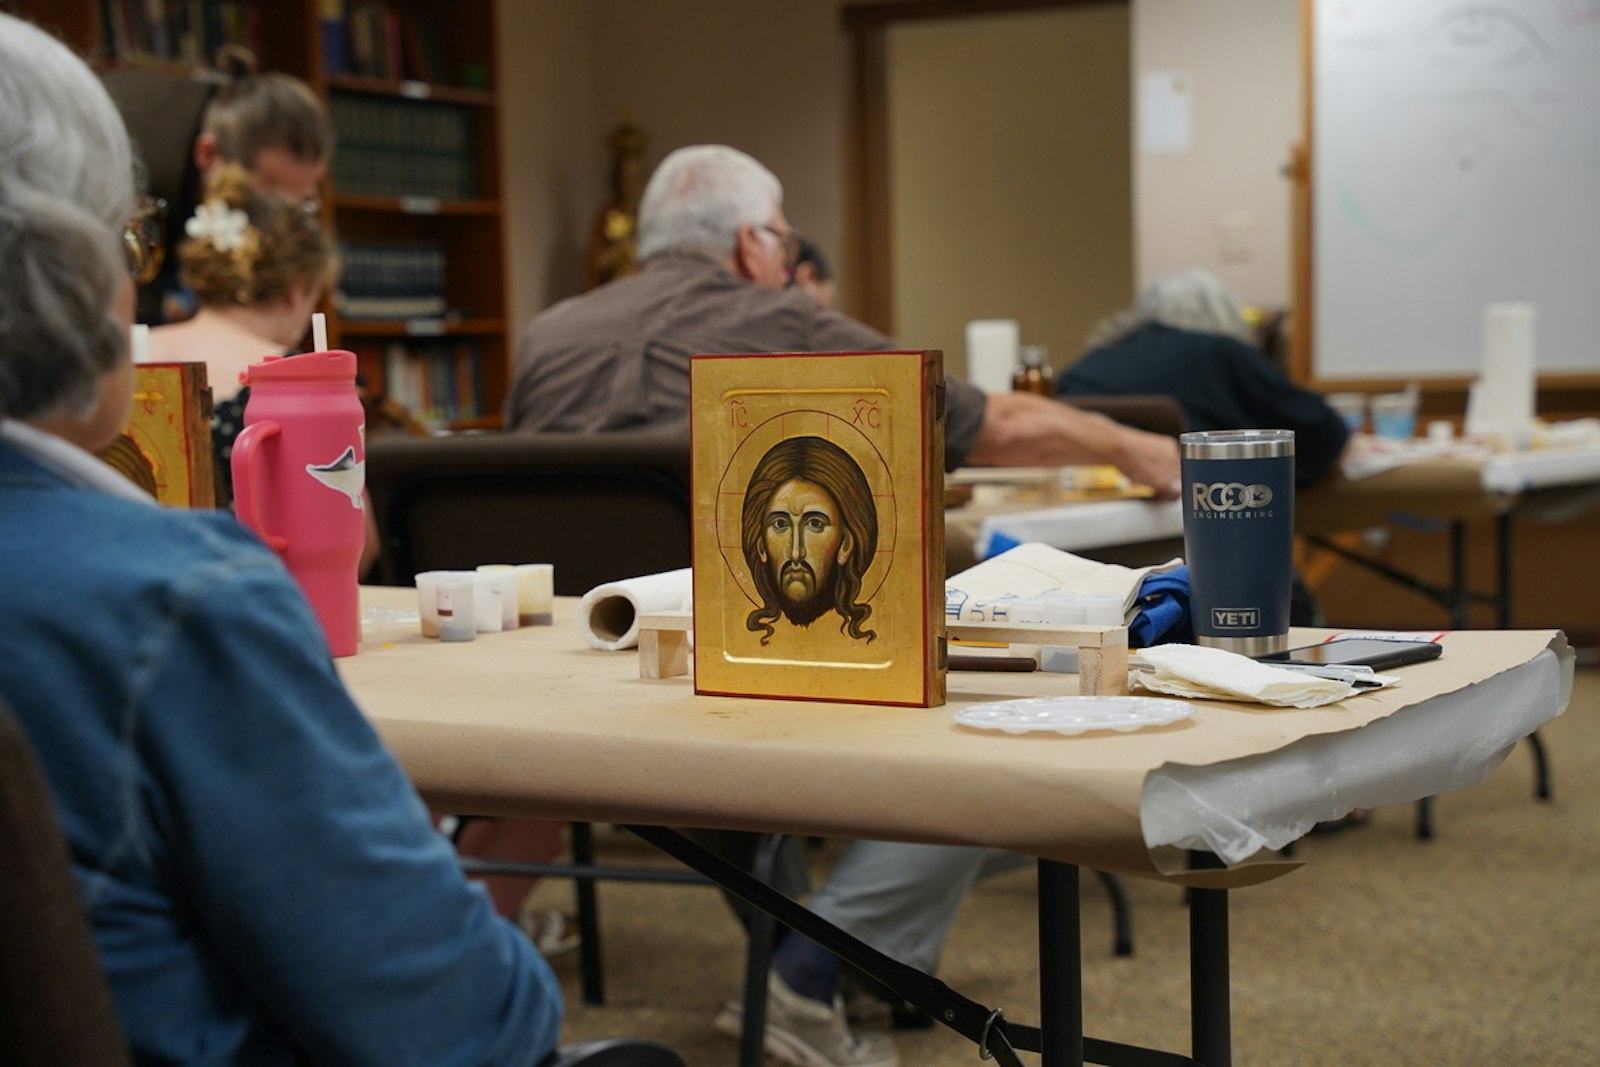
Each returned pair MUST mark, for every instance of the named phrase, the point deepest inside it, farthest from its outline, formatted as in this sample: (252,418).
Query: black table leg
(1060,965)
(581,835)
(1459,594)
(1502,577)
(1209,1003)
(758,959)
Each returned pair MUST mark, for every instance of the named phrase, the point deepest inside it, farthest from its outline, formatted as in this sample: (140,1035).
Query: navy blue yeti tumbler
(1238,536)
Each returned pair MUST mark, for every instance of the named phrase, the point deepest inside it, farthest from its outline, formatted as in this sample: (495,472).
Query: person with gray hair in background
(1185,336)
(716,255)
(260,878)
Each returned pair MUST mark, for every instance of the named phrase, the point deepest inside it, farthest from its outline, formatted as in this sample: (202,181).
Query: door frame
(868,255)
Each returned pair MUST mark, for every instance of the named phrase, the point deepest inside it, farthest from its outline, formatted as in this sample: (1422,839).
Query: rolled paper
(1509,381)
(609,614)
(536,596)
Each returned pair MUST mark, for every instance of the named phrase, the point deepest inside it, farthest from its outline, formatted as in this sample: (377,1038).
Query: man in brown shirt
(716,251)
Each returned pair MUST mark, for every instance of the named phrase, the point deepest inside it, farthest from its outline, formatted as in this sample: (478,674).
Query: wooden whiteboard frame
(1558,393)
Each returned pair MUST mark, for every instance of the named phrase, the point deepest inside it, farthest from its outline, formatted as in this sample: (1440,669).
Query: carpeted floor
(1480,947)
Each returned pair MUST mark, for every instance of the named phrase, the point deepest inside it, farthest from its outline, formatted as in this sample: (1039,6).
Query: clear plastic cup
(487,608)
(506,575)
(1394,416)
(1352,408)
(428,601)
(536,593)
(456,595)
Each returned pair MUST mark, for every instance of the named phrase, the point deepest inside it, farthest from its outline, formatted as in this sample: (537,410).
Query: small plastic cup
(428,601)
(1352,408)
(1102,609)
(1394,416)
(456,598)
(486,607)
(536,593)
(506,576)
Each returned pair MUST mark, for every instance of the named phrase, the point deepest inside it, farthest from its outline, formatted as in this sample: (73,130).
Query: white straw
(139,343)
(319,332)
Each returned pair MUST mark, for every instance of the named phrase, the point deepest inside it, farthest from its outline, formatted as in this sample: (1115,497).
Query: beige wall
(1009,176)
(1242,58)
(771,78)
(553,151)
(768,78)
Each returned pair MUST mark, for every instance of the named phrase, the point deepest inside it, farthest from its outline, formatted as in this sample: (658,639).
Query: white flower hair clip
(227,228)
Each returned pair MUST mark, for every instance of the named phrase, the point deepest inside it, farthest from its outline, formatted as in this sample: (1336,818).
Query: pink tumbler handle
(246,461)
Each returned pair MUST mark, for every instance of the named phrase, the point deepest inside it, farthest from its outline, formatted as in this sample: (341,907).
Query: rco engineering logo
(1236,618)
(1230,496)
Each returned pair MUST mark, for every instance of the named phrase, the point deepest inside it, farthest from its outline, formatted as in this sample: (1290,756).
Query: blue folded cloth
(1162,610)
(998,543)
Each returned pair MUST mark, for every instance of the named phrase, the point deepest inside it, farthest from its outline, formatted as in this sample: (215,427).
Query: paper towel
(1502,402)
(1214,673)
(992,353)
(609,614)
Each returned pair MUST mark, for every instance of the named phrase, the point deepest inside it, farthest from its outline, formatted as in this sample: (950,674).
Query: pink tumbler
(299,466)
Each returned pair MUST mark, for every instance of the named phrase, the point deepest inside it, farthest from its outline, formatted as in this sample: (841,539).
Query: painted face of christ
(809,530)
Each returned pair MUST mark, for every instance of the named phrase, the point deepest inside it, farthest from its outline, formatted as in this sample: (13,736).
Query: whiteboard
(1456,160)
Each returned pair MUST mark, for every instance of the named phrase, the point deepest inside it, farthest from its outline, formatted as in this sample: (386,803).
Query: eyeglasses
(143,239)
(790,240)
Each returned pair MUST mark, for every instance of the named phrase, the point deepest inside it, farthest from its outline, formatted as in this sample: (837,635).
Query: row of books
(404,125)
(402,148)
(362,171)
(438,381)
(391,280)
(376,40)
(178,31)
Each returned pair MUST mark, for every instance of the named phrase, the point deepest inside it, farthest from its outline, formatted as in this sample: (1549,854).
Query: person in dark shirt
(1185,337)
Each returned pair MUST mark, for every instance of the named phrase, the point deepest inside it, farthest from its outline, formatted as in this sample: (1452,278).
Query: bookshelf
(412,90)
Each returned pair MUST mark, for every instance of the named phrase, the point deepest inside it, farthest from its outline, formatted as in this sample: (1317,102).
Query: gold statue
(611,242)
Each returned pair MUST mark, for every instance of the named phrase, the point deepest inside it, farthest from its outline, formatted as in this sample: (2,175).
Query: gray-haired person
(260,878)
(716,252)
(1186,336)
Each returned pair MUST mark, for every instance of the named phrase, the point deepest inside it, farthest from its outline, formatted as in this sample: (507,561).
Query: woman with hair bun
(257,264)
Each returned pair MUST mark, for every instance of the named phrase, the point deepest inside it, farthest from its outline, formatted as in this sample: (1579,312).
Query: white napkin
(609,614)
(1211,673)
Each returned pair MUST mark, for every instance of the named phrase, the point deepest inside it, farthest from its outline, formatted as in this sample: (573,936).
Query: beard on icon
(804,601)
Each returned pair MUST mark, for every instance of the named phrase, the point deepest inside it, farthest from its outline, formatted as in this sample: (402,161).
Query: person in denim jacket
(260,877)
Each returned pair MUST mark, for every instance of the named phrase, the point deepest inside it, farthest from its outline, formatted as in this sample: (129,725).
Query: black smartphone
(1358,651)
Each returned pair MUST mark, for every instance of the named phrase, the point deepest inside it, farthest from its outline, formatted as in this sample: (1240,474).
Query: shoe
(552,932)
(807,1033)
